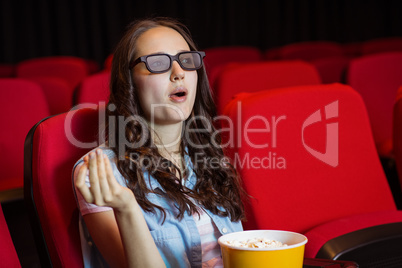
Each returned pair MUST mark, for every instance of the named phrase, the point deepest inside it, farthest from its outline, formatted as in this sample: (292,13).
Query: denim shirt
(178,241)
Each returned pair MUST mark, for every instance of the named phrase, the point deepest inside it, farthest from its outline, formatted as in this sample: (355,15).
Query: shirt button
(224,230)
(90,243)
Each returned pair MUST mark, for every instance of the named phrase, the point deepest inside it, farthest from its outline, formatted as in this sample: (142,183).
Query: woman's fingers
(104,190)
(113,184)
(81,185)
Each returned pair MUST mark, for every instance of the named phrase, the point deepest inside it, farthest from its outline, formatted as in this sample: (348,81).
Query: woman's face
(165,98)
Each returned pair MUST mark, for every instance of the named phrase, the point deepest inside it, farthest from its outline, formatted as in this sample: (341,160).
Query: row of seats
(308,160)
(313,50)
(58,76)
(322,54)
(61,78)
(375,77)
(329,69)
(12,70)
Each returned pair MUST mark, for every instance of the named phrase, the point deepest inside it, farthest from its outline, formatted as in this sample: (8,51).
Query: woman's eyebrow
(179,51)
(163,52)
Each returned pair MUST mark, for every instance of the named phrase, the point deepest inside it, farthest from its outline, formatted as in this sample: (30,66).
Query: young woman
(159,192)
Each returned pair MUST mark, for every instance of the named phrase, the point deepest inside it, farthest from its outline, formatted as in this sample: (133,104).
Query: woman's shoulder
(106,150)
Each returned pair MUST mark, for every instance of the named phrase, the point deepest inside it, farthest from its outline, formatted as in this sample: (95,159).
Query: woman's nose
(177,72)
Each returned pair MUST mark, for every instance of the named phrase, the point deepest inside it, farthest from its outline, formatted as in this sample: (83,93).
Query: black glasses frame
(172,58)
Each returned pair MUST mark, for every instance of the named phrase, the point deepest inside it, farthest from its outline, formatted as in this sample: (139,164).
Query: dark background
(91,28)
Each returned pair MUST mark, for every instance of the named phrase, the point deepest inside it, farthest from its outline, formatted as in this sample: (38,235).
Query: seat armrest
(315,263)
(345,244)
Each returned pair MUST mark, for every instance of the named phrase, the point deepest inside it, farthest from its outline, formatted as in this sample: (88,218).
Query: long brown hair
(217,189)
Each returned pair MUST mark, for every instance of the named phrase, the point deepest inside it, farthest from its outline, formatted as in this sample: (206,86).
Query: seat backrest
(71,69)
(94,89)
(51,149)
(8,255)
(377,78)
(251,77)
(306,156)
(22,105)
(379,45)
(397,134)
(310,50)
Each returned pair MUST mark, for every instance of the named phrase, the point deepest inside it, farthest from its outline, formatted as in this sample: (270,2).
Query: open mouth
(178,94)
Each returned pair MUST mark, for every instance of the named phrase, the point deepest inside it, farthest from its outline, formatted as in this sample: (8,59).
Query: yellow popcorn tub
(235,254)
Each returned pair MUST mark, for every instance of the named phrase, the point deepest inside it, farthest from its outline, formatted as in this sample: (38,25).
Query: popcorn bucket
(290,255)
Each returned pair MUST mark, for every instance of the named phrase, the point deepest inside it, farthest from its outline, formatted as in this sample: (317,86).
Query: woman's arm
(122,237)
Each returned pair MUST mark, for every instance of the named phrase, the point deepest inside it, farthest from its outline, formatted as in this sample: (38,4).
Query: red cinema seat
(251,77)
(380,45)
(51,148)
(8,255)
(377,78)
(94,89)
(22,105)
(310,50)
(397,134)
(71,69)
(307,157)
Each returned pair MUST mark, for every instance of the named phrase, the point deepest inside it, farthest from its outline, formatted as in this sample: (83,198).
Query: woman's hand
(122,237)
(104,189)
